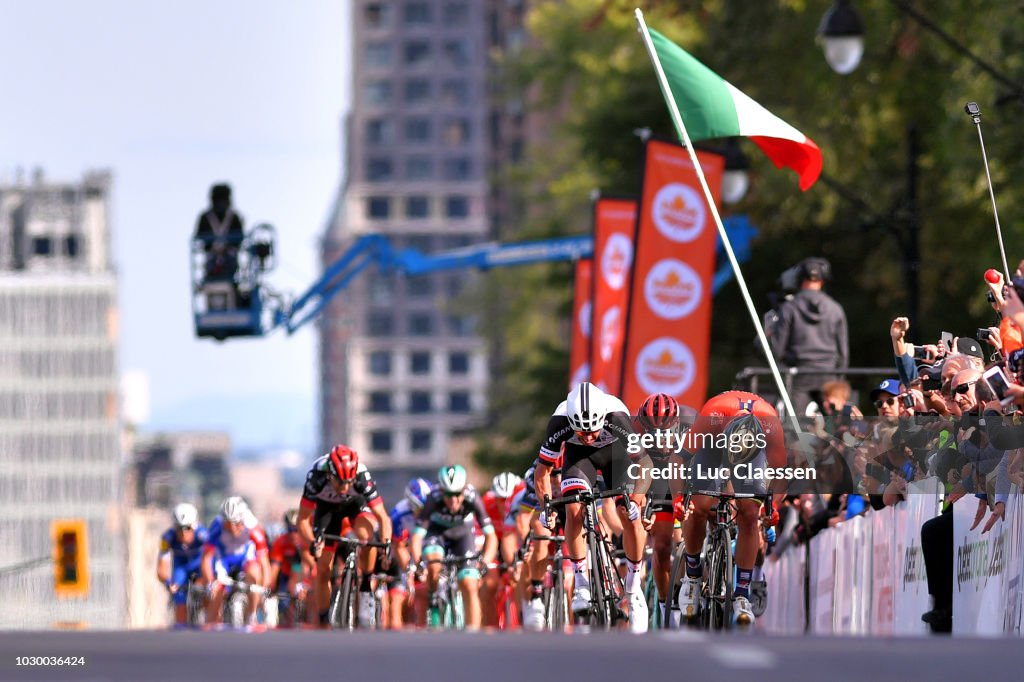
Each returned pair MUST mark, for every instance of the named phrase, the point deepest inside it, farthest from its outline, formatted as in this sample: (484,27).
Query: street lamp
(842,37)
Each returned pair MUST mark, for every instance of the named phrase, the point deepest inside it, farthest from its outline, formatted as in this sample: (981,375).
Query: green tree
(588,77)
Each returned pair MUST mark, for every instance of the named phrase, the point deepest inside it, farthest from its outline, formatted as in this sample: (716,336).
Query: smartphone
(907,400)
(983,333)
(930,383)
(947,341)
(996,379)
(921,353)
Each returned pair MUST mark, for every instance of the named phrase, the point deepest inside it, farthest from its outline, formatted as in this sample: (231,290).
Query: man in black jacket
(811,332)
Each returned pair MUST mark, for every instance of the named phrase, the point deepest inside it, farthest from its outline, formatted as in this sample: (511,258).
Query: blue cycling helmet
(416,493)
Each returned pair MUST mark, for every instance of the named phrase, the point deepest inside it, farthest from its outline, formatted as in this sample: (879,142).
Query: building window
(378,54)
(42,246)
(417,13)
(417,90)
(419,362)
(380,323)
(456,207)
(419,168)
(461,325)
(72,245)
(419,402)
(417,52)
(421,440)
(378,208)
(417,129)
(456,132)
(380,441)
(456,14)
(417,207)
(382,289)
(378,93)
(380,402)
(459,168)
(458,363)
(458,402)
(421,287)
(421,242)
(379,169)
(380,131)
(457,52)
(376,15)
(455,92)
(380,363)
(421,324)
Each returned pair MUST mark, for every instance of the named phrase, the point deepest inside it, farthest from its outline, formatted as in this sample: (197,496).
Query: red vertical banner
(579,351)
(614,227)
(669,323)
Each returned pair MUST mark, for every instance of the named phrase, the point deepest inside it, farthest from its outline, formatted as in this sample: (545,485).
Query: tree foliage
(589,80)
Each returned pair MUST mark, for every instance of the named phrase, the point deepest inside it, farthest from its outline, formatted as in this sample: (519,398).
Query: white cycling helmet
(504,484)
(452,479)
(234,509)
(585,408)
(185,515)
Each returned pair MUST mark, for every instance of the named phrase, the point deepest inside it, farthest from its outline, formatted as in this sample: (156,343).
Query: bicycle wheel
(557,611)
(195,606)
(236,609)
(342,615)
(675,577)
(719,583)
(602,596)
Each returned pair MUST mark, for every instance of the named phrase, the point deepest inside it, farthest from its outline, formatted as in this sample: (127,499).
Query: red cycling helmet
(659,412)
(344,462)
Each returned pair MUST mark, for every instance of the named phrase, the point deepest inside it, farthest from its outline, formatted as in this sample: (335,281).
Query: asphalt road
(141,656)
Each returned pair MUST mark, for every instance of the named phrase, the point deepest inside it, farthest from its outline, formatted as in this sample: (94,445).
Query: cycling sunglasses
(185,527)
(451,495)
(963,388)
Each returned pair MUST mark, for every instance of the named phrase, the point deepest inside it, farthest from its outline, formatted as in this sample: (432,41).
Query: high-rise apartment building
(401,369)
(60,442)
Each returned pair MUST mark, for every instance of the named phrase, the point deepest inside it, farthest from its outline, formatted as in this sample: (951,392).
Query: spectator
(810,332)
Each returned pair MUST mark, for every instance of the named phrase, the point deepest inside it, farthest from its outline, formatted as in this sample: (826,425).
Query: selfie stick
(974,111)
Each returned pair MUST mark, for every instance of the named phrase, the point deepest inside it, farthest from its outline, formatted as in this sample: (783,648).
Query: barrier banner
(1015,577)
(614,229)
(912,598)
(823,567)
(668,325)
(784,613)
(579,350)
(883,573)
(979,571)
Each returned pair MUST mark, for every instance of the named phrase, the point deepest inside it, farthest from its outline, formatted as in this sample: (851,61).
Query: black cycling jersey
(318,489)
(437,519)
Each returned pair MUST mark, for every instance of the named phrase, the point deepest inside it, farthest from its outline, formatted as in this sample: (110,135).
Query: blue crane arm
(375,249)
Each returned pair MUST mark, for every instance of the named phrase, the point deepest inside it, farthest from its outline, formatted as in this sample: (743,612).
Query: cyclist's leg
(469,580)
(327,520)
(488,596)
(579,474)
(364,529)
(748,536)
(179,580)
(433,552)
(253,572)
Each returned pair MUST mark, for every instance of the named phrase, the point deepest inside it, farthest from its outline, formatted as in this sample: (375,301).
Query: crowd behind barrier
(866,576)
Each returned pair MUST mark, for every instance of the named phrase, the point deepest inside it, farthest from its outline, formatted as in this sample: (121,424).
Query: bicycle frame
(607,590)
(450,613)
(342,609)
(556,613)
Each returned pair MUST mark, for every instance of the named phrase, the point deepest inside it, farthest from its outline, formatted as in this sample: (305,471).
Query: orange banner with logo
(669,322)
(579,351)
(614,228)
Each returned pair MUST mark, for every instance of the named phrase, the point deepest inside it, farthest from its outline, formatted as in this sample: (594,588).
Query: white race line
(743,656)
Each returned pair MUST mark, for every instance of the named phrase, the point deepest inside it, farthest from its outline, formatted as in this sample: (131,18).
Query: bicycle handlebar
(355,542)
(582,496)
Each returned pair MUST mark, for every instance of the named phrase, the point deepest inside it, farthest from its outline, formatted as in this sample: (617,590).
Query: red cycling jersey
(719,411)
(495,507)
(285,553)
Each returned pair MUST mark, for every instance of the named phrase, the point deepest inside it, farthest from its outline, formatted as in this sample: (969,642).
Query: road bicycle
(341,612)
(556,604)
(606,587)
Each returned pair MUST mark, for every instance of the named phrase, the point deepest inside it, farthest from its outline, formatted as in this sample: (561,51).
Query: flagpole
(685,138)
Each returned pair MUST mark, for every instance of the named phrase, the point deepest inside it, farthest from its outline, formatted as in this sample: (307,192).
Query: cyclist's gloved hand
(316,547)
(633,509)
(772,519)
(548,518)
(770,535)
(385,557)
(679,508)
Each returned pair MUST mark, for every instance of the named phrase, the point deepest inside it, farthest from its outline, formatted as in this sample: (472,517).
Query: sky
(172,98)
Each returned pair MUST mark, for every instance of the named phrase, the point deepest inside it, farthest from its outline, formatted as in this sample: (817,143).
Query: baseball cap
(891,386)
(969,346)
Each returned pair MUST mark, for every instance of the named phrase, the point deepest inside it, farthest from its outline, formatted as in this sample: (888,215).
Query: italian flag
(711,107)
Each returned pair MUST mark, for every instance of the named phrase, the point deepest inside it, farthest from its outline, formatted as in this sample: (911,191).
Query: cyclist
(661,416)
(339,488)
(594,428)
(445,528)
(734,427)
(503,487)
(236,545)
(181,549)
(403,522)
(288,572)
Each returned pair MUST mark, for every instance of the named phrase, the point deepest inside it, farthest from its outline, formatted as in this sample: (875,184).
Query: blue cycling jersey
(403,520)
(183,553)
